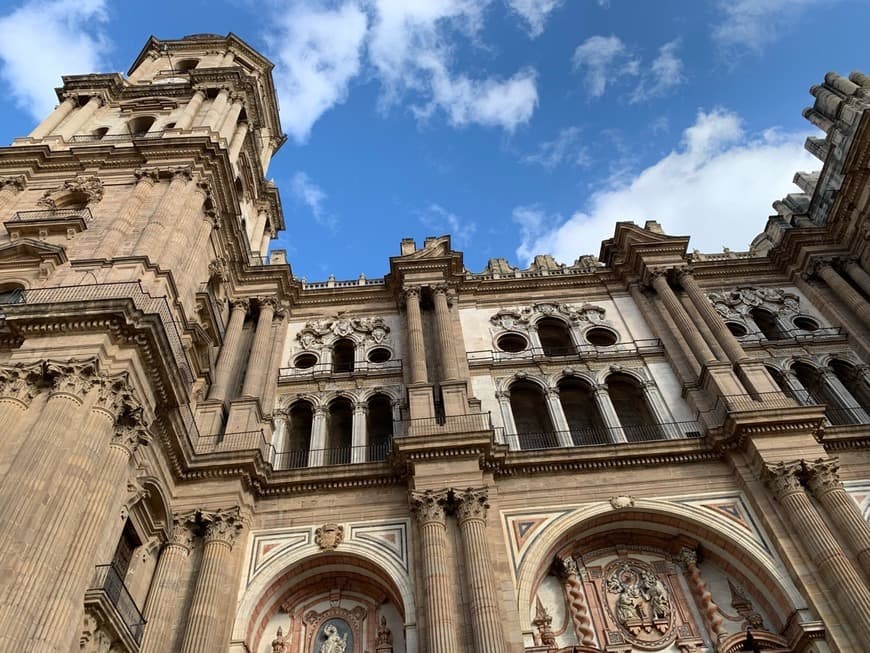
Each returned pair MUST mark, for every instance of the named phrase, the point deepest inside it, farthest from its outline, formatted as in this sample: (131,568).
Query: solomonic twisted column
(471,509)
(824,482)
(429,507)
(160,605)
(566,570)
(709,609)
(848,588)
(209,602)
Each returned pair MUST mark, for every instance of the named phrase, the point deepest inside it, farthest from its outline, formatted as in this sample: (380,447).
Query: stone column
(659,325)
(557,416)
(727,340)
(214,115)
(844,582)
(18,387)
(238,140)
(699,348)
(318,437)
(449,369)
(429,508)
(846,293)
(471,509)
(119,228)
(279,334)
(824,482)
(359,451)
(566,570)
(161,604)
(177,246)
(259,224)
(228,127)
(61,111)
(848,402)
(709,610)
(659,409)
(258,360)
(198,251)
(224,366)
(80,117)
(165,215)
(858,275)
(601,395)
(9,187)
(507,418)
(190,111)
(228,59)
(416,347)
(209,600)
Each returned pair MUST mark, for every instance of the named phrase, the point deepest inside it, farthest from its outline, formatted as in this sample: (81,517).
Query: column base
(245,415)
(210,416)
(455,395)
(720,379)
(420,401)
(756,378)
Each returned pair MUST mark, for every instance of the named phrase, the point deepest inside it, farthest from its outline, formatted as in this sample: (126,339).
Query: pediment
(629,238)
(25,252)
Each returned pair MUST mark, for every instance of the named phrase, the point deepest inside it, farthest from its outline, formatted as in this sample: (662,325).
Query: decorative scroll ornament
(316,333)
(522,318)
(737,303)
(639,602)
(222,525)
(329,536)
(91,188)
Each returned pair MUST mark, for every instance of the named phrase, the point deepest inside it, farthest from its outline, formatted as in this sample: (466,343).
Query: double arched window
(838,385)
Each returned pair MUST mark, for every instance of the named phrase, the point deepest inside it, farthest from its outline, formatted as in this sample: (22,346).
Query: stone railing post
(224,366)
(429,508)
(416,346)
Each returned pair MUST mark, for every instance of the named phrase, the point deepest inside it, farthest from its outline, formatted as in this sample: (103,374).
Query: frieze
(525,316)
(317,333)
(737,303)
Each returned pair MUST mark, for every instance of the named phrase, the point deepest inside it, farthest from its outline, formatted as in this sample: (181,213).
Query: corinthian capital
(74,378)
(223,525)
(16,182)
(472,504)
(783,478)
(411,292)
(565,567)
(130,437)
(430,506)
(242,304)
(115,397)
(823,475)
(181,533)
(20,382)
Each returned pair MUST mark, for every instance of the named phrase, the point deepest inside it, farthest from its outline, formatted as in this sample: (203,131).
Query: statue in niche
(384,635)
(333,643)
(279,644)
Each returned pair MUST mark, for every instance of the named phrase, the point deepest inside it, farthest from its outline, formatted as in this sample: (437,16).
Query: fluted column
(9,187)
(165,215)
(228,126)
(858,275)
(224,366)
(198,250)
(429,508)
(507,418)
(190,111)
(259,225)
(846,293)
(214,115)
(318,437)
(209,600)
(416,347)
(19,384)
(726,339)
(178,242)
(120,227)
(699,348)
(80,117)
(161,604)
(279,334)
(824,482)
(443,322)
(709,610)
(658,323)
(358,438)
(845,583)
(471,509)
(578,608)
(601,395)
(848,402)
(258,361)
(557,415)
(61,111)
(238,140)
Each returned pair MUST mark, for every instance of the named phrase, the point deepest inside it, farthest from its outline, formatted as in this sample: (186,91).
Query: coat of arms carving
(329,536)
(639,601)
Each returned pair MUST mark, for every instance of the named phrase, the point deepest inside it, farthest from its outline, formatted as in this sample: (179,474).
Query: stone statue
(384,634)
(654,592)
(279,644)
(333,643)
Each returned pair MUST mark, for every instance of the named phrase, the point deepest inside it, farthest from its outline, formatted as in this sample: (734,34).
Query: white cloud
(306,192)
(564,149)
(438,219)
(750,25)
(534,13)
(717,186)
(318,51)
(604,59)
(42,40)
(666,72)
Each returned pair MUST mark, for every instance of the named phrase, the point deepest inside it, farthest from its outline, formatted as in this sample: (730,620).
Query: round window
(737,329)
(512,343)
(806,323)
(305,361)
(379,355)
(601,337)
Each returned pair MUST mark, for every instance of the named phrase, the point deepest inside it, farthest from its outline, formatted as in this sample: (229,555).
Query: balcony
(360,368)
(585,351)
(795,336)
(443,424)
(301,458)
(604,436)
(48,222)
(108,599)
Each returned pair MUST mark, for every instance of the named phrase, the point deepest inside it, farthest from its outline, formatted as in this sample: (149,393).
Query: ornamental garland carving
(737,303)
(523,317)
(639,601)
(222,525)
(91,187)
(317,333)
(430,506)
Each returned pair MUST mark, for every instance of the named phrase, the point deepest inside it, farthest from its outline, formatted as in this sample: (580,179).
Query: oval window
(305,361)
(601,337)
(379,355)
(806,323)
(512,343)
(736,329)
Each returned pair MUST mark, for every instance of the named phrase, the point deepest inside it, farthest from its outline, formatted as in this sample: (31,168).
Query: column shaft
(279,333)
(318,437)
(449,369)
(164,215)
(858,275)
(699,348)
(228,127)
(190,111)
(671,344)
(566,569)
(56,117)
(605,407)
(727,340)
(258,361)
(79,118)
(507,418)
(557,415)
(176,247)
(358,450)
(163,595)
(238,140)
(215,112)
(224,366)
(416,347)
(121,226)
(847,294)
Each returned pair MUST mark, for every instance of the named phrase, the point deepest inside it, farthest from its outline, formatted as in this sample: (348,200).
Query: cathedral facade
(649,450)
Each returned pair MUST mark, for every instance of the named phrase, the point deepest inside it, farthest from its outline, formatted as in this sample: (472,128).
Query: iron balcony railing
(107,580)
(591,436)
(53,214)
(836,415)
(393,366)
(302,458)
(791,336)
(90,138)
(467,423)
(635,347)
(131,290)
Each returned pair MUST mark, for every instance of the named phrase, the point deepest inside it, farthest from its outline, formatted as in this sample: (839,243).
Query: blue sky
(518,126)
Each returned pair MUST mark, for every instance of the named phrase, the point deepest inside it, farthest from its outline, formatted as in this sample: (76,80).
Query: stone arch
(631,403)
(554,334)
(735,547)
(531,414)
(264,594)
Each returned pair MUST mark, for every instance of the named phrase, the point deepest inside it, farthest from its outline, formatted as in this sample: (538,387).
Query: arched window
(342,355)
(100,132)
(634,415)
(339,432)
(555,337)
(10,292)
(766,322)
(581,412)
(779,378)
(379,426)
(851,378)
(820,393)
(300,418)
(531,417)
(186,64)
(140,125)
